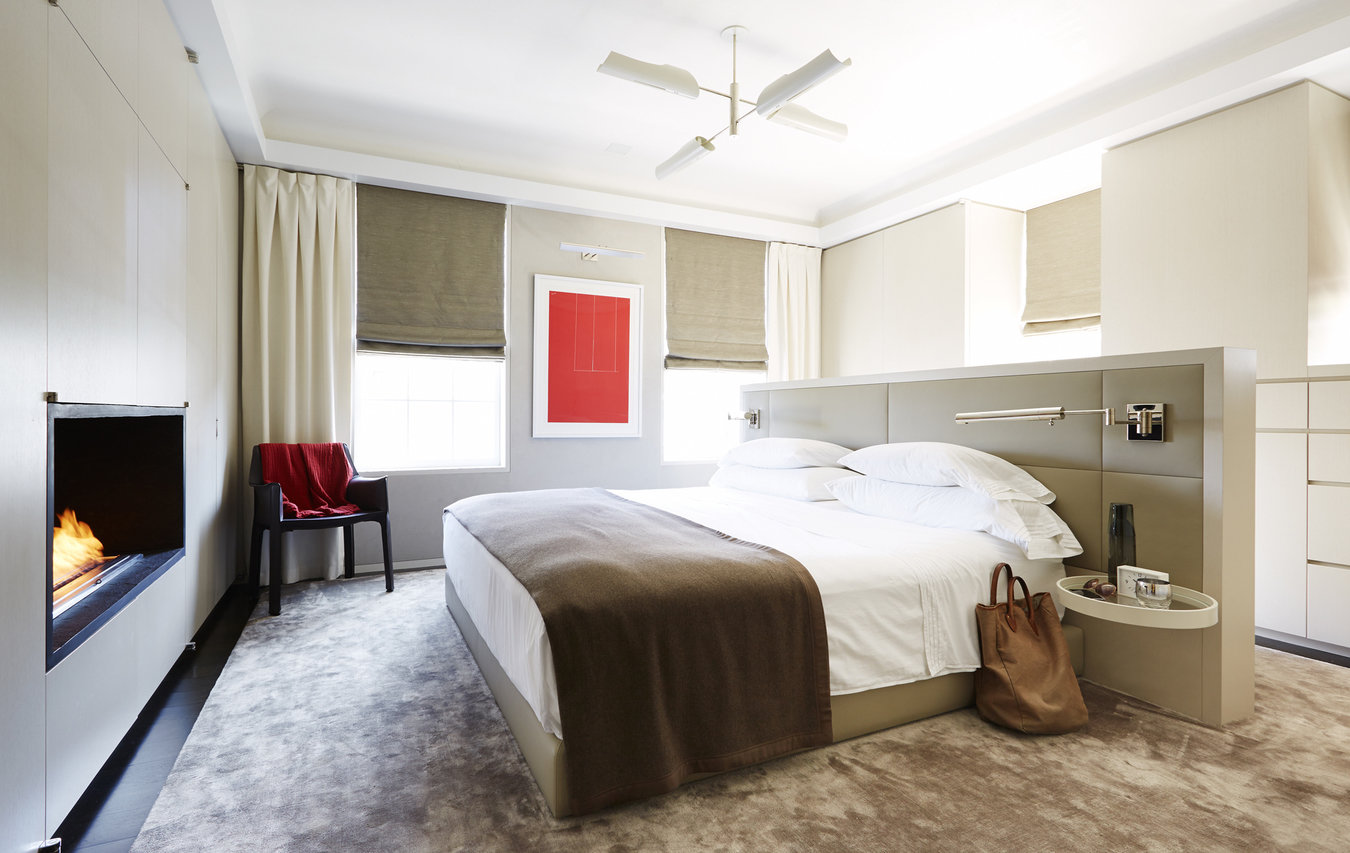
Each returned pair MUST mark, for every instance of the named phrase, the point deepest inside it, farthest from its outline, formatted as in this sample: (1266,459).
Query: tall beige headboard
(1192,493)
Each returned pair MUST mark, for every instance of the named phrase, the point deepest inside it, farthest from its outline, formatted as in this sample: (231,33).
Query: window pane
(416,411)
(697,403)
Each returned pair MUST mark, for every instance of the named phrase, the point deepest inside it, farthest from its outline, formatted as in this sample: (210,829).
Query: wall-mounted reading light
(591,253)
(751,418)
(1144,420)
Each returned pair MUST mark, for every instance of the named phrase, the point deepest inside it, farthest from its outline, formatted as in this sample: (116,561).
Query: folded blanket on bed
(313,478)
(678,650)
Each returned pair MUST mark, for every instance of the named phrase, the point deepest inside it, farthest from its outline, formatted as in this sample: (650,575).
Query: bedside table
(1190,608)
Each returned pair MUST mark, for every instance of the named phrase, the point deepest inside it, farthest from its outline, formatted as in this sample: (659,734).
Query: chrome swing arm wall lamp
(774,104)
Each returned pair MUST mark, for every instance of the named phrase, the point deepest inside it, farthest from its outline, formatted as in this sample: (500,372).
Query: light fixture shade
(668,78)
(792,84)
(794,115)
(694,149)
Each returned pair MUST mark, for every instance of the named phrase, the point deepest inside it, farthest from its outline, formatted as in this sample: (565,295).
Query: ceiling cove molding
(205,28)
(407,174)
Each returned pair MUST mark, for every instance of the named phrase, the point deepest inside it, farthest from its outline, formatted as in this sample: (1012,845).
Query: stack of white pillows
(921,482)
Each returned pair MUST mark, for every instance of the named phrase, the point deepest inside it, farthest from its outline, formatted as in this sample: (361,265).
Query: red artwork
(588,355)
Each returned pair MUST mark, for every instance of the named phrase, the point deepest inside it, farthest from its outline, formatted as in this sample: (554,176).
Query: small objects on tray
(1097,588)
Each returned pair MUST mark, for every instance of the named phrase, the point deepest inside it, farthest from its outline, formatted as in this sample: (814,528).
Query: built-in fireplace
(115,511)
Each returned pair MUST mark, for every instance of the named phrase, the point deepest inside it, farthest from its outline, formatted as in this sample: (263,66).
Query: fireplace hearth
(114,509)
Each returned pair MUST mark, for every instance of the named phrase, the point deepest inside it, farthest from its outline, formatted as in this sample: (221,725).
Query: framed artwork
(587,367)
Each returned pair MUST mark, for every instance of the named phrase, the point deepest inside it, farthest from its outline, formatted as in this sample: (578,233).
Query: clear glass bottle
(1120,539)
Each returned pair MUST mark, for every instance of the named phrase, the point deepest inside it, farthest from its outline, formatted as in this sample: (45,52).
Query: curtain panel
(715,300)
(793,333)
(297,276)
(431,274)
(1064,265)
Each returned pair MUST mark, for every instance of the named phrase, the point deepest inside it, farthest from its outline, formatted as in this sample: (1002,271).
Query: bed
(897,601)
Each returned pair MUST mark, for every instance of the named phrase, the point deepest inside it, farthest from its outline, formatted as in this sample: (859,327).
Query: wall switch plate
(1134,418)
(1125,576)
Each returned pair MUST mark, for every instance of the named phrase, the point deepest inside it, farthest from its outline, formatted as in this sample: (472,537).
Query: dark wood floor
(113,809)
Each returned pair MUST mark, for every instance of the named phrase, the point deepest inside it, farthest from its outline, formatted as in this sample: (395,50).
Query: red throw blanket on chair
(313,478)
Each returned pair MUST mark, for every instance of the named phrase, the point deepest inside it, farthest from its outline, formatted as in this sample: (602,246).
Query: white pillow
(934,463)
(785,453)
(799,484)
(1031,526)
(931,506)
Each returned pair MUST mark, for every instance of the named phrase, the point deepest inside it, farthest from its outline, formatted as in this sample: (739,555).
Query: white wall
(119,286)
(417,498)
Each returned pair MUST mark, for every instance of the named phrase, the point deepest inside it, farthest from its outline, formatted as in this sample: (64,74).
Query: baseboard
(1303,647)
(400,566)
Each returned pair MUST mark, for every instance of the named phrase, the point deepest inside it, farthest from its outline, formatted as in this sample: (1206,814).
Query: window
(694,421)
(414,411)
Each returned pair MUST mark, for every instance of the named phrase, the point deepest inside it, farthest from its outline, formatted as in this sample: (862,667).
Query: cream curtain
(793,332)
(298,273)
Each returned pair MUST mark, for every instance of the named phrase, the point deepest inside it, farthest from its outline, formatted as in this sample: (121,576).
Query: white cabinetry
(923,294)
(1302,503)
(102,291)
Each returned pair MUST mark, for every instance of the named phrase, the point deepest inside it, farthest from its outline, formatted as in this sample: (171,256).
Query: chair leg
(274,575)
(255,563)
(348,551)
(388,560)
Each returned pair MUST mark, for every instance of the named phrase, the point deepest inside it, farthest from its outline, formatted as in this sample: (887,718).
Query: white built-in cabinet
(940,290)
(119,274)
(1302,504)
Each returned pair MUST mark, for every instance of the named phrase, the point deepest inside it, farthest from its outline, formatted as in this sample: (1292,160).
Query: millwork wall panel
(161,280)
(94,149)
(23,424)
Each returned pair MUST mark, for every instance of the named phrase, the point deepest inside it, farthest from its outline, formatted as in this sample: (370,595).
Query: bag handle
(1026,597)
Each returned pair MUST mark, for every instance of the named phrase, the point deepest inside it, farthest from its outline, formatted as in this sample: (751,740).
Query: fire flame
(74,546)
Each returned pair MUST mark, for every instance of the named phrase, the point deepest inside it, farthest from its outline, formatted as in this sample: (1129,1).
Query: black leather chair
(371,494)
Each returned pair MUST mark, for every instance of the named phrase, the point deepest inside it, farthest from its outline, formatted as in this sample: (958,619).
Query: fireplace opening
(115,511)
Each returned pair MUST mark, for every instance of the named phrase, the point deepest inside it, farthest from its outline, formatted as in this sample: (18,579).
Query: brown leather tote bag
(1026,682)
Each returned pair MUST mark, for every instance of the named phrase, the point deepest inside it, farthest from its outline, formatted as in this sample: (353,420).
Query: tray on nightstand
(1190,608)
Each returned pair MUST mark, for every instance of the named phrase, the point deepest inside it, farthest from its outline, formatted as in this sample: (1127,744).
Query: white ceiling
(1009,103)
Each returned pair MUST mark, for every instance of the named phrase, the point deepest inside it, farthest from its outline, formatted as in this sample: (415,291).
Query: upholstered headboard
(1192,492)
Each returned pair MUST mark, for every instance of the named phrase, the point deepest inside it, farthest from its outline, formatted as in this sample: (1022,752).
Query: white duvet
(899,598)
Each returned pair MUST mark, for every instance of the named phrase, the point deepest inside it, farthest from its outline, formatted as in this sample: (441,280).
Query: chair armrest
(369,493)
(267,503)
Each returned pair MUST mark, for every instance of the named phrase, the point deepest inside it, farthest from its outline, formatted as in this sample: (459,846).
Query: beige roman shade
(1064,265)
(714,302)
(431,273)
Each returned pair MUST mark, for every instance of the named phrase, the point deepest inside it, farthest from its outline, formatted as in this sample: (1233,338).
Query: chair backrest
(255,477)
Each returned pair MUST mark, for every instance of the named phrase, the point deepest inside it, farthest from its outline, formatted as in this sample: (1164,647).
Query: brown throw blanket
(678,650)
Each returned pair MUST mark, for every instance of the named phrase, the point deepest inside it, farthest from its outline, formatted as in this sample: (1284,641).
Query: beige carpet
(357,721)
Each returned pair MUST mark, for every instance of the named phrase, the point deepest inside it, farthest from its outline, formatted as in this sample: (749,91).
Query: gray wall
(417,498)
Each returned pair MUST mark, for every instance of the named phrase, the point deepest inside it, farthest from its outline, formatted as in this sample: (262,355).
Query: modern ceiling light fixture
(774,104)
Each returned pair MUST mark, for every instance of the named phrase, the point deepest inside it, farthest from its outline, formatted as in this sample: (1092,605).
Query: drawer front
(1282,405)
(1329,405)
(1328,533)
(1328,604)
(1329,458)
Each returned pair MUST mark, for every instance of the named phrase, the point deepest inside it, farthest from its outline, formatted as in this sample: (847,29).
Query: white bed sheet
(898,598)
